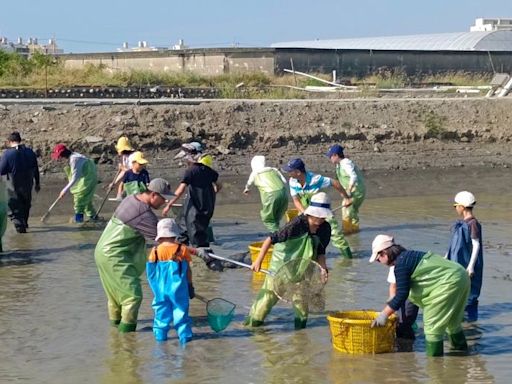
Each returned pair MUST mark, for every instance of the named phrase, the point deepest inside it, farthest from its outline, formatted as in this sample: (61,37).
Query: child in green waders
(136,179)
(351,178)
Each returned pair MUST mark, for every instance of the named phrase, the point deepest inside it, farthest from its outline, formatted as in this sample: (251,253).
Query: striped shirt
(405,265)
(314,183)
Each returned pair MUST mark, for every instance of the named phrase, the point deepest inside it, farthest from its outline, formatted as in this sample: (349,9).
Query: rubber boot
(250,322)
(355,227)
(160,334)
(472,312)
(458,341)
(434,348)
(346,253)
(124,327)
(79,217)
(347,226)
(300,323)
(211,237)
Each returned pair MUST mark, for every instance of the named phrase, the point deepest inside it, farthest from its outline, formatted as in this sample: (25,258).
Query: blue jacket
(20,165)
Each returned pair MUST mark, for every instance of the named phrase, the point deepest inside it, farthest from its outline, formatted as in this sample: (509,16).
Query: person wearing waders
(19,165)
(136,179)
(272,186)
(201,183)
(83,180)
(120,254)
(125,151)
(350,178)
(305,236)
(466,248)
(170,278)
(303,185)
(439,286)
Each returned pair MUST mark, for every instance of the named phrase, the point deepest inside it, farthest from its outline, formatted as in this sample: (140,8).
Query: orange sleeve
(151,256)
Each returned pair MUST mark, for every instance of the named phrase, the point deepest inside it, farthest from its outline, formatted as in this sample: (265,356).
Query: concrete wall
(200,61)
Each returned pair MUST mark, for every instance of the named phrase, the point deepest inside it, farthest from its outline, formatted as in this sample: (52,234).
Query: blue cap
(336,149)
(295,165)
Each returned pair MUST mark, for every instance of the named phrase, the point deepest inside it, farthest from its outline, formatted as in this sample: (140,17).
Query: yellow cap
(138,157)
(206,160)
(123,144)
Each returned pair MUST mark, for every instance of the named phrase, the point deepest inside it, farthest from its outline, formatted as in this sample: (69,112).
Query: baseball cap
(465,198)
(295,164)
(380,243)
(58,150)
(335,149)
(138,157)
(162,187)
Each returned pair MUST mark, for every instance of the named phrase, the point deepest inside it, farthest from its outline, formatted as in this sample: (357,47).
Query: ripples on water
(54,326)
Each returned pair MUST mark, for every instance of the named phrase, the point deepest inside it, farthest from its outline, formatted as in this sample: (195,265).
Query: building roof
(461,41)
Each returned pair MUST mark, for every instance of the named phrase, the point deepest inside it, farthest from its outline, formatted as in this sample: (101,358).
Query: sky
(103,25)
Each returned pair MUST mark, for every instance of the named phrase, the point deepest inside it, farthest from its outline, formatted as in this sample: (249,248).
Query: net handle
(238,263)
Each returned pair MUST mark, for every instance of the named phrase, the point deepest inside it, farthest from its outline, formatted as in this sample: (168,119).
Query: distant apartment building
(486,24)
(27,48)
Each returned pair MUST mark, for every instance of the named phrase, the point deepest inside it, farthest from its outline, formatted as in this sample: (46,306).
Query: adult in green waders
(121,252)
(439,286)
(305,237)
(272,186)
(350,178)
(83,180)
(303,185)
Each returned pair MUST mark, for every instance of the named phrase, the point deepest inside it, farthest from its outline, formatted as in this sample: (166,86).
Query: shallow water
(54,326)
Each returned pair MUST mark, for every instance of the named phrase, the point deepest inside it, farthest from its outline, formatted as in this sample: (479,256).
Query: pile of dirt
(377,133)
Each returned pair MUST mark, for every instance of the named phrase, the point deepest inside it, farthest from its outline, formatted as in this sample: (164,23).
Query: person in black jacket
(19,163)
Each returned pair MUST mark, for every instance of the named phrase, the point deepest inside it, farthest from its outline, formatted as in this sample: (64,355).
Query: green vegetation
(434,124)
(41,71)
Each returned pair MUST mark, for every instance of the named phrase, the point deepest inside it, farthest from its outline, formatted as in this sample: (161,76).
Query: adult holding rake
(305,237)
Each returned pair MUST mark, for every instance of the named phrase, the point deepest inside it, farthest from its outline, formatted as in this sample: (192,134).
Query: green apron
(274,198)
(441,288)
(134,187)
(121,258)
(337,237)
(83,190)
(303,247)
(351,213)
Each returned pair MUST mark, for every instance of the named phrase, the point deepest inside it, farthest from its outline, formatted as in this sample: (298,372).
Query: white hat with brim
(380,243)
(320,206)
(167,228)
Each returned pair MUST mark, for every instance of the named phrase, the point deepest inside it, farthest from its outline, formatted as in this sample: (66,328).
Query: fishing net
(301,280)
(220,313)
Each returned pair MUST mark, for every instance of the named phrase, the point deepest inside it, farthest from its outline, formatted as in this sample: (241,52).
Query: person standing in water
(272,186)
(19,164)
(351,178)
(466,248)
(303,185)
(83,181)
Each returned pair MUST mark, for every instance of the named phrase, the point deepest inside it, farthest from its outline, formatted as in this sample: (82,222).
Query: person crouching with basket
(305,238)
(440,287)
(170,278)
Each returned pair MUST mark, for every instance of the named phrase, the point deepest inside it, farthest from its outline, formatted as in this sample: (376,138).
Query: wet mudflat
(54,326)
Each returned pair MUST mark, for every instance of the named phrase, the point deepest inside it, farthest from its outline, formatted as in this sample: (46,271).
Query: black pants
(407,315)
(20,201)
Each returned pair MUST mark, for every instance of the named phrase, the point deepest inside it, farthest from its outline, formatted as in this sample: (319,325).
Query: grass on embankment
(41,71)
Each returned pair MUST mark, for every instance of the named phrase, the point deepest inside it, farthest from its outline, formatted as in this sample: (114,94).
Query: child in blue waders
(466,248)
(170,279)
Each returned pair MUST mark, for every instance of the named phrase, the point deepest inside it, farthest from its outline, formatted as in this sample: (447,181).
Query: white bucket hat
(167,228)
(320,206)
(380,243)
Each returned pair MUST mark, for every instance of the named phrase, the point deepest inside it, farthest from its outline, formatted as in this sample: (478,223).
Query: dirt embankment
(378,134)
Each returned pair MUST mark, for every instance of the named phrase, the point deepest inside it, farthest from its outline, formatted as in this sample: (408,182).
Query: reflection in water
(53,326)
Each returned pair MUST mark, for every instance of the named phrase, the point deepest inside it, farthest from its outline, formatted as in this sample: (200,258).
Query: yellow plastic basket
(254,250)
(351,332)
(291,214)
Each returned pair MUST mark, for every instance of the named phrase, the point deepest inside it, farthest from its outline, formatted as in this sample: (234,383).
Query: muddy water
(54,327)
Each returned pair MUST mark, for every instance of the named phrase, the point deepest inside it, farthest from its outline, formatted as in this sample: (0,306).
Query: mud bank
(378,133)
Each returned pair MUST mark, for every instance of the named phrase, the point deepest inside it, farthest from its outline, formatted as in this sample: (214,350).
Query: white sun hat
(167,228)
(320,206)
(380,243)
